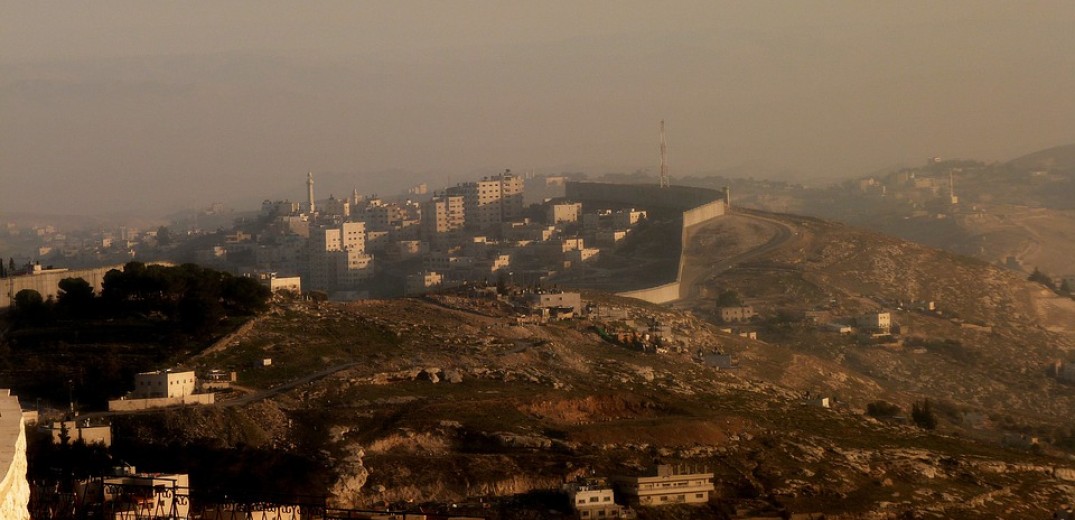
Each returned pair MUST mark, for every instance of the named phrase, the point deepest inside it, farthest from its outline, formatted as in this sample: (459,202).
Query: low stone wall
(14,488)
(128,405)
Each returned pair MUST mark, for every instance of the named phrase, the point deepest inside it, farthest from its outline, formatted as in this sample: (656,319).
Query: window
(608,499)
(664,498)
(594,499)
(699,495)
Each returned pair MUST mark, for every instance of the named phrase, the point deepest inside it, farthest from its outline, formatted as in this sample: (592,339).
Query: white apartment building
(594,500)
(337,257)
(665,485)
(491,200)
(442,215)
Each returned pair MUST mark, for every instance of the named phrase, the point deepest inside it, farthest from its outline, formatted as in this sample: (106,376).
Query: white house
(163,383)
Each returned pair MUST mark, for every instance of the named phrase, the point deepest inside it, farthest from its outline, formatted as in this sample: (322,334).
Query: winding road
(695,274)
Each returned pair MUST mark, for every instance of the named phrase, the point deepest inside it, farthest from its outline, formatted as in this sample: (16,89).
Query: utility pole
(664,159)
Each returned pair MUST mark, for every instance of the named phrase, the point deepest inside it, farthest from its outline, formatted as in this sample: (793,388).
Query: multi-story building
(666,484)
(559,301)
(491,200)
(337,257)
(286,255)
(595,500)
(563,212)
(334,206)
(382,216)
(353,236)
(443,216)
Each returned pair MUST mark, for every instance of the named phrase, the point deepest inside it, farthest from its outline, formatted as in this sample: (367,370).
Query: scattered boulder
(453,376)
(352,476)
(433,375)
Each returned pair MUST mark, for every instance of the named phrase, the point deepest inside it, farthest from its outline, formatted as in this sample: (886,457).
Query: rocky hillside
(990,347)
(450,398)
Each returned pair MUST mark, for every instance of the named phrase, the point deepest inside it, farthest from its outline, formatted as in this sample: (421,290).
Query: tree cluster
(1063,289)
(922,415)
(195,297)
(729,298)
(1042,278)
(882,409)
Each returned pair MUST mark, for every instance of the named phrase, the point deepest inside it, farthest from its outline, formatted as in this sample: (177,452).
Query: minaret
(952,198)
(310,190)
(664,159)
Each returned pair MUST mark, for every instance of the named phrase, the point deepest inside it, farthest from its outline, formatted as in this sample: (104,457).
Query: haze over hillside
(152,107)
(455,395)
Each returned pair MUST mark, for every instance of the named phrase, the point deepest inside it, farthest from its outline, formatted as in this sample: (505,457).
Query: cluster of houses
(126,493)
(660,485)
(157,389)
(78,247)
(871,324)
(162,388)
(474,231)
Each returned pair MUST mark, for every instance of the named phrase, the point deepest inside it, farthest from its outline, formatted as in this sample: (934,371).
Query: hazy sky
(155,106)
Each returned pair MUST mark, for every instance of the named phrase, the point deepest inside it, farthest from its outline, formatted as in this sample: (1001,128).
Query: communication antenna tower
(664,159)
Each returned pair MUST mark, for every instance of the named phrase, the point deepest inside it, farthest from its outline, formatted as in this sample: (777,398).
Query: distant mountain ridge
(1055,158)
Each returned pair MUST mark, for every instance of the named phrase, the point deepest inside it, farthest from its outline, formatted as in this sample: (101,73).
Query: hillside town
(348,248)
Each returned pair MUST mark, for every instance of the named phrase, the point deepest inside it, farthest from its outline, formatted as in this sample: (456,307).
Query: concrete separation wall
(14,488)
(699,205)
(661,294)
(47,282)
(128,405)
(703,213)
(680,198)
